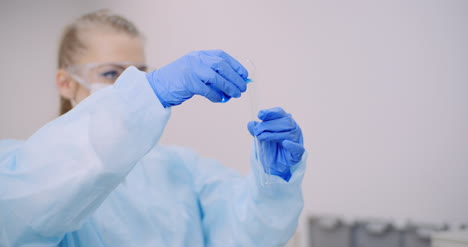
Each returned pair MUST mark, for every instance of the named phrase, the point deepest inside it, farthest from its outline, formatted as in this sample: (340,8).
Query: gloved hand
(213,74)
(280,140)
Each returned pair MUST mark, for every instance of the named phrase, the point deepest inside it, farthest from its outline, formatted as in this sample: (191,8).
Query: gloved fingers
(276,125)
(211,78)
(224,85)
(222,67)
(238,67)
(292,135)
(229,74)
(272,113)
(295,150)
(251,126)
(207,92)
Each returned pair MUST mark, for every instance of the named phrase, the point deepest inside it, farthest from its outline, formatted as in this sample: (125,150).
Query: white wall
(30,32)
(379,88)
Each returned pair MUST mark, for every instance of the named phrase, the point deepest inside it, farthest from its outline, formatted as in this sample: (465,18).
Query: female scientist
(96,176)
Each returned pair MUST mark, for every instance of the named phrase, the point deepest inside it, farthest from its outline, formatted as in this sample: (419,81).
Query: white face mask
(96,86)
(92,87)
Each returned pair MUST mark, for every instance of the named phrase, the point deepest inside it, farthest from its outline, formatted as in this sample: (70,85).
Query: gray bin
(329,231)
(419,234)
(376,233)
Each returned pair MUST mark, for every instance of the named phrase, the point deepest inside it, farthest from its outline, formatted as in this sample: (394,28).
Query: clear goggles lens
(104,72)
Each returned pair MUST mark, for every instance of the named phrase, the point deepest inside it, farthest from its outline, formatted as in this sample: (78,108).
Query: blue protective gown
(96,177)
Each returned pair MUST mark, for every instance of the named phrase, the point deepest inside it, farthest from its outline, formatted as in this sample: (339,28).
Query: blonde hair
(73,39)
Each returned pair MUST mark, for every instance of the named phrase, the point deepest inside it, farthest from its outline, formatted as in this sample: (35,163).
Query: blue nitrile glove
(213,74)
(280,140)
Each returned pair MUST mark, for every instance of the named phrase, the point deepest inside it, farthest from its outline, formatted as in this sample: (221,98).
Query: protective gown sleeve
(50,183)
(239,211)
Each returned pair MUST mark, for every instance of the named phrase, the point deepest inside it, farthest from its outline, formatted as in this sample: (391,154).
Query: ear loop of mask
(92,87)
(81,82)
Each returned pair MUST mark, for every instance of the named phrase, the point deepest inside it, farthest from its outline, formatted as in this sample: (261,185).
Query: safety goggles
(101,72)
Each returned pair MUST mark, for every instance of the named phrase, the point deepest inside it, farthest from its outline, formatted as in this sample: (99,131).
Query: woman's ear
(65,84)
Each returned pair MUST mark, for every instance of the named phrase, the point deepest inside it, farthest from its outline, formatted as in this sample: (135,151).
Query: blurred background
(379,88)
